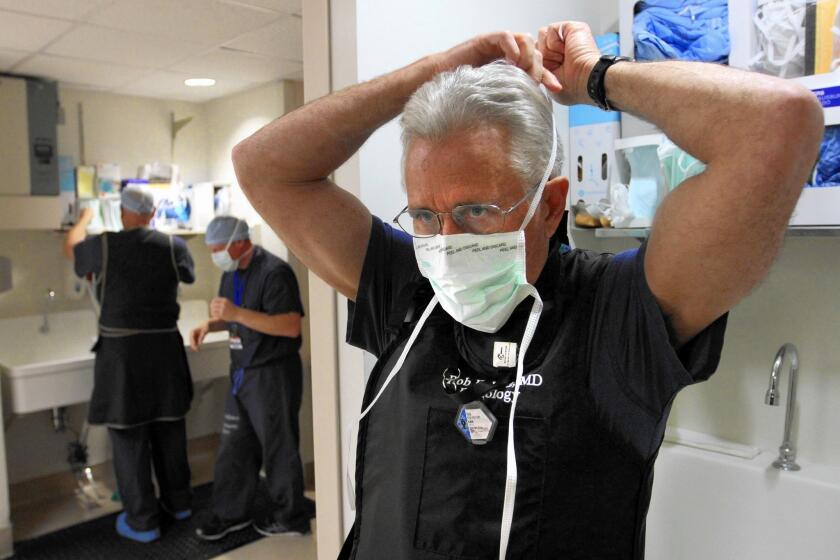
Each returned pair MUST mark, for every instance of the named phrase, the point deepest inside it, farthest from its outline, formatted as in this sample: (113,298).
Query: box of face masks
(819,203)
(591,136)
(786,38)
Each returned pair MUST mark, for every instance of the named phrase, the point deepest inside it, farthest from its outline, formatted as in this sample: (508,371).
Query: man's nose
(448,226)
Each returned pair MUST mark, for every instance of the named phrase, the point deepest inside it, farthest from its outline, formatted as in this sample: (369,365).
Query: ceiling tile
(74,10)
(131,49)
(208,22)
(237,66)
(282,39)
(170,85)
(28,33)
(9,58)
(82,72)
(283,6)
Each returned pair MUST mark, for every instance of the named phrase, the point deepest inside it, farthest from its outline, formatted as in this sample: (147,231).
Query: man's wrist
(596,82)
(582,92)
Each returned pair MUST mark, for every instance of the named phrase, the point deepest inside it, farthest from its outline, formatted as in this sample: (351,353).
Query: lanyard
(238,288)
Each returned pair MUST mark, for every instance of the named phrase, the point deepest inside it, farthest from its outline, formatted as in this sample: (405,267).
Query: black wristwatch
(595,84)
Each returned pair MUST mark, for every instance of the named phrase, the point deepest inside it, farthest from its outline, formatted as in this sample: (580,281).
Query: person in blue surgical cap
(259,305)
(142,384)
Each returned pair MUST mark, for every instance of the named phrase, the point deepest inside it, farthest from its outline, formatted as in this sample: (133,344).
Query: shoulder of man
(580,268)
(271,263)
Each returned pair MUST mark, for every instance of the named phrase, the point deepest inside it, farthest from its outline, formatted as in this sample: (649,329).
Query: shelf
(641,233)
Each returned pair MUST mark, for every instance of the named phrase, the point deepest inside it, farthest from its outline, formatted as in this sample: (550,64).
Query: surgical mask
(677,164)
(780,26)
(482,298)
(223,260)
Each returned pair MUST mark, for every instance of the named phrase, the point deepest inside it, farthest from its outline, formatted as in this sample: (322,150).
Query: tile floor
(56,510)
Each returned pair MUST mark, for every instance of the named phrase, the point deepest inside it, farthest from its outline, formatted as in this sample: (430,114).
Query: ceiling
(149,47)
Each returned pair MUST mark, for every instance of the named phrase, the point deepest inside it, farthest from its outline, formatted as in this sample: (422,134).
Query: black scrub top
(87,255)
(141,373)
(600,377)
(270,287)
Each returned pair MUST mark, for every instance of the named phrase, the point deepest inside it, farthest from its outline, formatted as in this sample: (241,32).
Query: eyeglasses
(481,219)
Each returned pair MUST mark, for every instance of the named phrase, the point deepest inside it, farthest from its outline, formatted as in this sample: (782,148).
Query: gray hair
(498,94)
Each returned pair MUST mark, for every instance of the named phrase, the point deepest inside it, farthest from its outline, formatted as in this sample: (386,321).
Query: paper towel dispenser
(28,146)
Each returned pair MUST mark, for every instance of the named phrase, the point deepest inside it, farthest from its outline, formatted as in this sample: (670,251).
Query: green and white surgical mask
(677,164)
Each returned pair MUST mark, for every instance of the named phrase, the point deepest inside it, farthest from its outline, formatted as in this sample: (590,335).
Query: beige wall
(131,130)
(234,118)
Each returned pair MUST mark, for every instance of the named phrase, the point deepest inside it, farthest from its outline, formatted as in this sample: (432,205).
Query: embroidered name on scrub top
(238,292)
(474,419)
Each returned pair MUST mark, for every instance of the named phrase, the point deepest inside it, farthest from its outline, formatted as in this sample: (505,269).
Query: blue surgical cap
(223,229)
(137,199)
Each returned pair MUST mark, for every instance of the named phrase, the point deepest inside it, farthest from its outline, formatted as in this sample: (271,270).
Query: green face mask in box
(677,164)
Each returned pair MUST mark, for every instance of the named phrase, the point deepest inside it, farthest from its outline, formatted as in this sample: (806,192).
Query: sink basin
(44,371)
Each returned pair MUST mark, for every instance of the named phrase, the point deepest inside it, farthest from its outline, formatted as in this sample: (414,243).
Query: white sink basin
(709,506)
(44,371)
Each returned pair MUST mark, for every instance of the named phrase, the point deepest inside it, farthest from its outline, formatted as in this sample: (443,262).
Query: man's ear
(556,191)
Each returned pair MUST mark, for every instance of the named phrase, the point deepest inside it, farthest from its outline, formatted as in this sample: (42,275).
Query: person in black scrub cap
(142,384)
(259,305)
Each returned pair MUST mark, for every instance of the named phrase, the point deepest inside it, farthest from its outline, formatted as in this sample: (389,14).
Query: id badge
(476,423)
(235,342)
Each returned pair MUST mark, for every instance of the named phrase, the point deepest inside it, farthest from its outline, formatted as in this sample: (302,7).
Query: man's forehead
(473,159)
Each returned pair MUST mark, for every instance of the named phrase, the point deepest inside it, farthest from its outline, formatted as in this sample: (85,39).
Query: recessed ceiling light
(199,82)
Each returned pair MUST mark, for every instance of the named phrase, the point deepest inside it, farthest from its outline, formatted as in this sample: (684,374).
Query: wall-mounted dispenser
(28,145)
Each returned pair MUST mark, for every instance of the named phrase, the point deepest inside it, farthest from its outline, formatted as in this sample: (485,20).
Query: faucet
(787,451)
(45,325)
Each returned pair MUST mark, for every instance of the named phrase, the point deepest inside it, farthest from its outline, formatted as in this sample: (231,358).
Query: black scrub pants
(261,429)
(136,450)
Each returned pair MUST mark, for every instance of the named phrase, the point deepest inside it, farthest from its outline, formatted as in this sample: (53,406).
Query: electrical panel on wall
(28,143)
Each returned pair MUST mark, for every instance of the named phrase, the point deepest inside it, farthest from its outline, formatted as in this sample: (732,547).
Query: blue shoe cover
(140,536)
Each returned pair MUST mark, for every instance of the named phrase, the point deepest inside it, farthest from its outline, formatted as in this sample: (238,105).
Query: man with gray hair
(142,385)
(518,404)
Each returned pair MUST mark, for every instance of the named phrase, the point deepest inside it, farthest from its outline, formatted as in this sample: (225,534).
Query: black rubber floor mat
(97,539)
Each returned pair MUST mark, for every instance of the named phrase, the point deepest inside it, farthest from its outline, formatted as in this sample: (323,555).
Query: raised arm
(716,236)
(77,233)
(284,167)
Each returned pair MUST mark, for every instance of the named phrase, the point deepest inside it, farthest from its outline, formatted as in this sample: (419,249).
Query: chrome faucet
(45,325)
(787,451)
